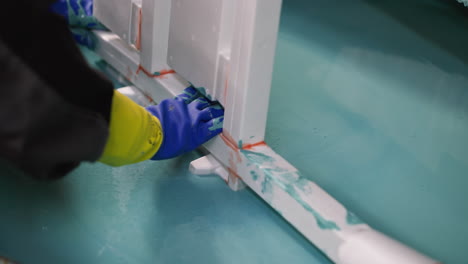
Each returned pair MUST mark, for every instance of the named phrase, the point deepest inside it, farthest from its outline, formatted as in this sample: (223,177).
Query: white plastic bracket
(209,165)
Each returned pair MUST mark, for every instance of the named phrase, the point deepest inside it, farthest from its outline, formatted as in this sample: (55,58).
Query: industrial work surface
(369,99)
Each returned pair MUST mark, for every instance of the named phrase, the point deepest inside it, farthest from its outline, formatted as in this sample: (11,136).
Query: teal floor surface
(369,99)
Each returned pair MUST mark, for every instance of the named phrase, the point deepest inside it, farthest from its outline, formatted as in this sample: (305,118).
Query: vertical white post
(252,57)
(155,20)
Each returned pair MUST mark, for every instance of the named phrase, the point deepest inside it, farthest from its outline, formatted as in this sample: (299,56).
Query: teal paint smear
(190,97)
(81,19)
(84,37)
(217,106)
(254,175)
(267,187)
(321,222)
(256,157)
(352,219)
(240,144)
(300,182)
(217,124)
(294,178)
(202,100)
(203,91)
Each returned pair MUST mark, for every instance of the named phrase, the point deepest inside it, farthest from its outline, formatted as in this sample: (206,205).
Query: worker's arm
(55,111)
(42,40)
(42,133)
(163,131)
(176,125)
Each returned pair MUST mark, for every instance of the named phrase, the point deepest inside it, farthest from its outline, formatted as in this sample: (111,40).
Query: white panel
(122,17)
(228,47)
(199,32)
(114,14)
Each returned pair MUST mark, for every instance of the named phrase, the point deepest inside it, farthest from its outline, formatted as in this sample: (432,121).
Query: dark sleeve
(43,41)
(54,109)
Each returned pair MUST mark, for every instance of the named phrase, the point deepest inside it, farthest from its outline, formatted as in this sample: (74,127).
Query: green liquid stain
(217,124)
(190,97)
(254,175)
(85,37)
(321,222)
(201,100)
(289,184)
(352,219)
(217,107)
(256,157)
(203,91)
(288,181)
(293,178)
(267,186)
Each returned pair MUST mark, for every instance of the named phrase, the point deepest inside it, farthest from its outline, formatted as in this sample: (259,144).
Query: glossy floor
(369,99)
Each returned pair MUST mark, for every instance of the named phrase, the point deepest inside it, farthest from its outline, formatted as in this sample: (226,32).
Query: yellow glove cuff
(135,134)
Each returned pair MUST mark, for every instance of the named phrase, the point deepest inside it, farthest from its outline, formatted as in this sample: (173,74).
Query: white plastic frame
(243,70)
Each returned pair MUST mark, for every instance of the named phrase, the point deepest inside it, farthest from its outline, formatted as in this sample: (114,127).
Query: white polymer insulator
(372,247)
(204,166)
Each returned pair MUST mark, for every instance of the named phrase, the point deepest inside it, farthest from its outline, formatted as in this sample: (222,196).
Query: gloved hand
(162,131)
(79,15)
(187,121)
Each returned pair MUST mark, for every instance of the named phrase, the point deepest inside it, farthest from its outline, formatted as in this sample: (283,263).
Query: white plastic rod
(371,246)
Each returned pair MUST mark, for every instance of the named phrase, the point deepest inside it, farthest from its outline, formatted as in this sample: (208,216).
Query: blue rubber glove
(187,121)
(79,15)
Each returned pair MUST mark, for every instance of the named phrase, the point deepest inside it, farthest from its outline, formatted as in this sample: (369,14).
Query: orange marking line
(129,74)
(147,73)
(225,90)
(226,85)
(149,98)
(164,72)
(229,141)
(233,173)
(251,146)
(232,168)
